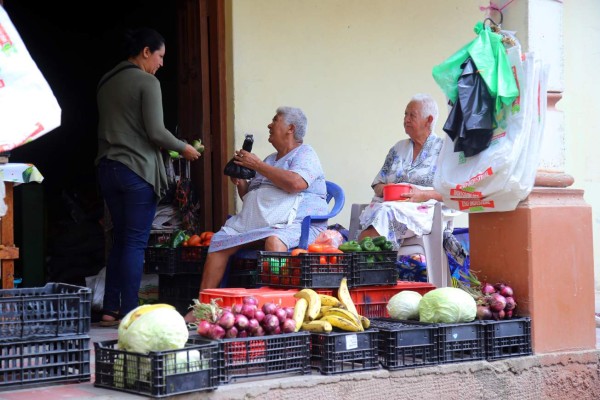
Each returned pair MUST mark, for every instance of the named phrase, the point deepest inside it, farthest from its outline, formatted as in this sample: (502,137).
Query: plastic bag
(96,283)
(502,175)
(237,171)
(28,105)
(330,237)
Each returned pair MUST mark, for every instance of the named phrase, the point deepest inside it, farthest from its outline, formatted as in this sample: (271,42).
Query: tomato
(333,260)
(298,251)
(206,236)
(194,240)
(323,260)
(331,249)
(315,248)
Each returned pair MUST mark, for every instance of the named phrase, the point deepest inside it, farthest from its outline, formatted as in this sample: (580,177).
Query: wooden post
(8,251)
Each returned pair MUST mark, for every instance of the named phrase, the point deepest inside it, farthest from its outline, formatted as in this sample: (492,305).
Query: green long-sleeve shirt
(131,129)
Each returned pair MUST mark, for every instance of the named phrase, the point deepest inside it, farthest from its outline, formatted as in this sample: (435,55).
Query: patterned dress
(304,161)
(398,220)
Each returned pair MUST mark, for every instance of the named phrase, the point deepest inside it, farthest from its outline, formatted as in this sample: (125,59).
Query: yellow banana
(317,326)
(342,323)
(314,302)
(327,300)
(324,308)
(300,312)
(365,322)
(345,314)
(344,297)
(145,308)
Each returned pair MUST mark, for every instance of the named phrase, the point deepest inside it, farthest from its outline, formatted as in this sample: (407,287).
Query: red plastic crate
(371,301)
(230,296)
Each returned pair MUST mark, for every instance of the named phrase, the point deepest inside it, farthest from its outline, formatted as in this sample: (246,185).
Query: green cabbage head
(160,329)
(447,305)
(404,305)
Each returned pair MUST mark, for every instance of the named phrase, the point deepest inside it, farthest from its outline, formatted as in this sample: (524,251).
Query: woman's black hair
(137,39)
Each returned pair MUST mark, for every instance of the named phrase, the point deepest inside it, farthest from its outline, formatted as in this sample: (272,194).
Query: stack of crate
(44,335)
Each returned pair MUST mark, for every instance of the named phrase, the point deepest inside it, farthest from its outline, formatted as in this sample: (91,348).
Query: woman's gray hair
(294,116)
(429,107)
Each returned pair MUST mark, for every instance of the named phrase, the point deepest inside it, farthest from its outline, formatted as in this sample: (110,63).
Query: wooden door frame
(202,101)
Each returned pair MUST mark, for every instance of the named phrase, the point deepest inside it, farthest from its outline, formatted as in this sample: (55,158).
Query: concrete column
(543,248)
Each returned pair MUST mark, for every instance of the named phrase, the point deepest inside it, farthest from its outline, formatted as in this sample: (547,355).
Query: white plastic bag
(28,106)
(96,283)
(502,175)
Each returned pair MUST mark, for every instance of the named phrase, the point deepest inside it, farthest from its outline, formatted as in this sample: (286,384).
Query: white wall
(352,65)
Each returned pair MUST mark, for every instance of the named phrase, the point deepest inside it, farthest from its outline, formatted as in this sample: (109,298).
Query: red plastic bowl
(394,191)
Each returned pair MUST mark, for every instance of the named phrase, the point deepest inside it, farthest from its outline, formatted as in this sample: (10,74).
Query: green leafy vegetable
(447,305)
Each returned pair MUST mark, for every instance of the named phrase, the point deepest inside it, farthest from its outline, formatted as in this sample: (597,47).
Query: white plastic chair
(430,245)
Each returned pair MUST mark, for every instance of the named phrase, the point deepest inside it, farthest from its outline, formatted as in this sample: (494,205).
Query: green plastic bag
(489,55)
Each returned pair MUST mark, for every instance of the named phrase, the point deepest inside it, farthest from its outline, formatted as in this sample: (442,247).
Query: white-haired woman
(413,161)
(289,185)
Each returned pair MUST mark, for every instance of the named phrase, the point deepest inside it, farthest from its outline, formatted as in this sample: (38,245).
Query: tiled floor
(86,390)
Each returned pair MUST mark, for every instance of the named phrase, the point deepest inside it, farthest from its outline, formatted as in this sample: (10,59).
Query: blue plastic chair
(334,192)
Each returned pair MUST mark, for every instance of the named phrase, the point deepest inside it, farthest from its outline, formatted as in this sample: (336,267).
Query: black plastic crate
(56,309)
(264,355)
(158,373)
(308,270)
(179,260)
(243,279)
(44,361)
(461,342)
(178,290)
(508,338)
(406,344)
(343,352)
(371,268)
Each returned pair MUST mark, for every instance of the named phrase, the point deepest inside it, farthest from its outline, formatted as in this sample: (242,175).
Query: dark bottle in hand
(248,143)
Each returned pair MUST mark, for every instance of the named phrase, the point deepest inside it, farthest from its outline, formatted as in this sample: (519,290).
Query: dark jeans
(132,205)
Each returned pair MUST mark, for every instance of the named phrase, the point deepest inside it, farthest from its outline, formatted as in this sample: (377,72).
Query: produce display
(316,312)
(242,320)
(495,301)
(447,305)
(404,305)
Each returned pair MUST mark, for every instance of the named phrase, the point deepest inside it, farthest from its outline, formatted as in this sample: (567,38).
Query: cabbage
(404,305)
(448,305)
(161,328)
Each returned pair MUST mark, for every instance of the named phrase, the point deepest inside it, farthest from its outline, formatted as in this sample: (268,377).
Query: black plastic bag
(237,171)
(471,123)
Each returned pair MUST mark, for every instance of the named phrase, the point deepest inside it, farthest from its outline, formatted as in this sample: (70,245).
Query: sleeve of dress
(307,164)
(383,173)
(152,113)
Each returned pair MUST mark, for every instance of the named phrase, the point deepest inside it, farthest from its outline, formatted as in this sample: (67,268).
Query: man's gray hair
(294,116)
(429,107)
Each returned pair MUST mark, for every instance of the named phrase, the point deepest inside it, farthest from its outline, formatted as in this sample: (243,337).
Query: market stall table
(12,174)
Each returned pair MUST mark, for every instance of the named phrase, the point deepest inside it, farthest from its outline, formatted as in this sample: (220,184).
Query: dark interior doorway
(74,44)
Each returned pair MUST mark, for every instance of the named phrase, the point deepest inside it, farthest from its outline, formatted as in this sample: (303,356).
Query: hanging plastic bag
(28,105)
(498,178)
(238,171)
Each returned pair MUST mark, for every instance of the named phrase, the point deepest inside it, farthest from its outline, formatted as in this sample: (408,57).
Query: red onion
(259,315)
(242,334)
(226,308)
(252,325)
(281,315)
(216,332)
(484,312)
(241,321)
(508,314)
(288,326)
(236,308)
(506,291)
(250,300)
(498,315)
(269,308)
(203,327)
(487,288)
(249,310)
(510,304)
(226,320)
(231,332)
(276,331)
(270,322)
(260,331)
(499,286)
(289,311)
(497,302)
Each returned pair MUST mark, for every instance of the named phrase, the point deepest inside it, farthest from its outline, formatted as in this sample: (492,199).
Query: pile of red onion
(496,302)
(246,319)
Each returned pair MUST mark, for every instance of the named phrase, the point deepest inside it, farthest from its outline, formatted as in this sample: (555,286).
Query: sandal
(115,321)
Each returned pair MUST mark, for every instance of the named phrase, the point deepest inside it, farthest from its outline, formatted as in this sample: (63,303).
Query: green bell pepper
(350,246)
(367,244)
(379,241)
(177,239)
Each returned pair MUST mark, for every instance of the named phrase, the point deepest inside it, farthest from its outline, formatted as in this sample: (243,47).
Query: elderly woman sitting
(289,185)
(411,161)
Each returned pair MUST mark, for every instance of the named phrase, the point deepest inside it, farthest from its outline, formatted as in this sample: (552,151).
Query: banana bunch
(317,312)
